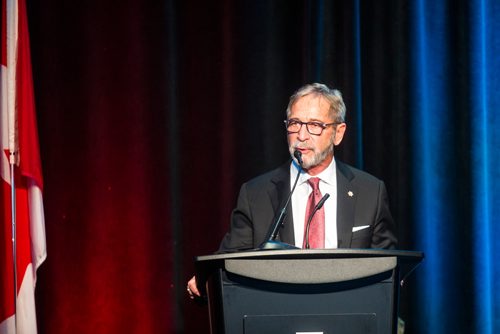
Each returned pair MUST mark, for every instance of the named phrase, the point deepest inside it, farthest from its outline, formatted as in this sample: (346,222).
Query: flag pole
(12,57)
(12,162)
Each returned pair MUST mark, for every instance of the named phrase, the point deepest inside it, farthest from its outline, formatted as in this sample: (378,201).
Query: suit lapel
(346,201)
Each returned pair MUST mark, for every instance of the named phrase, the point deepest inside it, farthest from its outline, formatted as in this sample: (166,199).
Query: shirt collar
(328,175)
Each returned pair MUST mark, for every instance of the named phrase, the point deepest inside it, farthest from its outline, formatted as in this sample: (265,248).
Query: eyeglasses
(314,128)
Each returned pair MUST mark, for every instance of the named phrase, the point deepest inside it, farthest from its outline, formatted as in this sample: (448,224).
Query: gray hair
(337,107)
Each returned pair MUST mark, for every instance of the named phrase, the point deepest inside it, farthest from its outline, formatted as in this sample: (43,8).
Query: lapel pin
(350,193)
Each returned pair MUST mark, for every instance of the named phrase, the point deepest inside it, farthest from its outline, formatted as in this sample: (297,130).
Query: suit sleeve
(384,230)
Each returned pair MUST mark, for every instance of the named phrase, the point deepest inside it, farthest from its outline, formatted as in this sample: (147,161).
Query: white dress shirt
(327,184)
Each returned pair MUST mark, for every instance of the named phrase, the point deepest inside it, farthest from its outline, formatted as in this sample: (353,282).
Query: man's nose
(303,134)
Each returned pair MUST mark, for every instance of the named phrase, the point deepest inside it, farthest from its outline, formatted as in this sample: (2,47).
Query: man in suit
(356,215)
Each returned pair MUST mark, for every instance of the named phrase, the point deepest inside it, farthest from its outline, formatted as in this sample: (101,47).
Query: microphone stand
(272,243)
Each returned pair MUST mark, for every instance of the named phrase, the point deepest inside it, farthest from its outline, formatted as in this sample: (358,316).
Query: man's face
(317,150)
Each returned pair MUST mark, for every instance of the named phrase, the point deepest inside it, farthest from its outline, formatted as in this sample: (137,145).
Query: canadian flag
(20,178)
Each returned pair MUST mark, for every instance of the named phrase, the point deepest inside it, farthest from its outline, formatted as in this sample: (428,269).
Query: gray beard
(317,158)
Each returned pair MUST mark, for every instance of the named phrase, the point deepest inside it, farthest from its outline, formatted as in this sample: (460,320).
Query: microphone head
(298,155)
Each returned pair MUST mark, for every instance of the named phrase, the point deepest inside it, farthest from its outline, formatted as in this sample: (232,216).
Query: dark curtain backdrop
(152,113)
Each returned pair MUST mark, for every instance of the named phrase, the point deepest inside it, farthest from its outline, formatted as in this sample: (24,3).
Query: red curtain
(100,82)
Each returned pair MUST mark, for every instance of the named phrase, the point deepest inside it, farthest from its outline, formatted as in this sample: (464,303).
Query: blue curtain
(455,99)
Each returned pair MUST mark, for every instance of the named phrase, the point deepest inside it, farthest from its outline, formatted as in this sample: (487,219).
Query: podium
(341,291)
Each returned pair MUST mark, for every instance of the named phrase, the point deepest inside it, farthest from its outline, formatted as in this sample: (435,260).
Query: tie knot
(314,182)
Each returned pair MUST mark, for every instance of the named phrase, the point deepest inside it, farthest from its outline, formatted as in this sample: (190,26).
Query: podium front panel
(255,306)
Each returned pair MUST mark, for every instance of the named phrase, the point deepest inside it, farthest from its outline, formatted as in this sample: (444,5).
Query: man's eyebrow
(311,120)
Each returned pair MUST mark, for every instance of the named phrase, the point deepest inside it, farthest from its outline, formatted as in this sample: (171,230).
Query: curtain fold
(485,119)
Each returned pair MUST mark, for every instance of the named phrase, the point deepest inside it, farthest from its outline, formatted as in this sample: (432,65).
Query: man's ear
(339,133)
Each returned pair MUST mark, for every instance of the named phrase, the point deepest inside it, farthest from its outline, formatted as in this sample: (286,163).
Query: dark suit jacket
(261,199)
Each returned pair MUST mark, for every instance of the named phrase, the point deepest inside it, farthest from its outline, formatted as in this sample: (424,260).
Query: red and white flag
(20,150)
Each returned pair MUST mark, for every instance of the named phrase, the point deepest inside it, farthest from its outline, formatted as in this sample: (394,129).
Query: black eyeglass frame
(322,125)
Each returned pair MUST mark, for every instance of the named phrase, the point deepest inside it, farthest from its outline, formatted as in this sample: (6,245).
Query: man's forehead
(312,103)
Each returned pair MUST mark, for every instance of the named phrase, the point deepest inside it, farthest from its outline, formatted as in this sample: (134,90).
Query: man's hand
(192,289)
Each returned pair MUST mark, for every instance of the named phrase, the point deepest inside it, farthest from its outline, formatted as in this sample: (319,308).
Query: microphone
(316,208)
(271,242)
(298,155)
